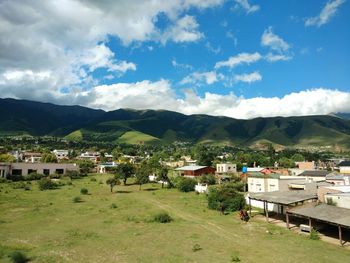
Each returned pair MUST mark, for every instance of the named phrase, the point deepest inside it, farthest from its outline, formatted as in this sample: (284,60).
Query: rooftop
(341,188)
(323,212)
(316,173)
(283,198)
(344,163)
(190,168)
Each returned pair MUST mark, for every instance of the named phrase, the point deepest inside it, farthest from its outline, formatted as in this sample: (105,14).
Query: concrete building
(338,199)
(325,190)
(105,167)
(344,167)
(315,175)
(306,165)
(223,168)
(61,154)
(23,169)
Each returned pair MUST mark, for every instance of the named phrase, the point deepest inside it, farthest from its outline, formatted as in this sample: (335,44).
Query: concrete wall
(226,168)
(344,169)
(40,167)
(339,200)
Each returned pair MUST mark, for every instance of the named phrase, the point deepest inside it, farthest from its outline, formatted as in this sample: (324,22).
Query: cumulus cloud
(197,78)
(246,6)
(249,78)
(241,58)
(160,95)
(273,41)
(328,11)
(69,40)
(277,57)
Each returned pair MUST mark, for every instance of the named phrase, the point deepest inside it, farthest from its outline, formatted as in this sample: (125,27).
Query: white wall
(339,200)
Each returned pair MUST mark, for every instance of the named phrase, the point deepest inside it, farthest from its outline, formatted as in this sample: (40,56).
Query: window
(17,172)
(59,171)
(46,171)
(30,171)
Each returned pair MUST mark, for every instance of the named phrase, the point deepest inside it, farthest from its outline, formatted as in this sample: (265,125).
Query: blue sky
(239,58)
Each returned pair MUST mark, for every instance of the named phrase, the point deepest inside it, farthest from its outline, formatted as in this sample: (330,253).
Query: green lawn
(48,227)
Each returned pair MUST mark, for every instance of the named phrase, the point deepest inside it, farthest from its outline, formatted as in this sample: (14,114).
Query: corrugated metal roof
(190,168)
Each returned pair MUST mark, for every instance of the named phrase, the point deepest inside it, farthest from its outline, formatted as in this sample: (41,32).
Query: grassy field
(49,227)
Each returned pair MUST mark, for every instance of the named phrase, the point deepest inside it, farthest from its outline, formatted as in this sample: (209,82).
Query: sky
(238,58)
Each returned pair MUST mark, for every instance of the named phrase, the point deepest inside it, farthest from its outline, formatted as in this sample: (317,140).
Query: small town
(179,131)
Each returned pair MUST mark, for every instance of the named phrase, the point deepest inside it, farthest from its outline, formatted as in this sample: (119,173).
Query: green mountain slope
(150,126)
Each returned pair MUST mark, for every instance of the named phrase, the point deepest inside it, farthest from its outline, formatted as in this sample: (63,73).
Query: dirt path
(199,222)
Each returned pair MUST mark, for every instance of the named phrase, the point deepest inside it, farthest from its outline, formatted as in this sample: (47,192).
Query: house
(322,192)
(315,175)
(31,157)
(224,168)
(306,165)
(195,170)
(61,154)
(90,156)
(259,182)
(105,167)
(23,169)
(338,199)
(338,179)
(344,167)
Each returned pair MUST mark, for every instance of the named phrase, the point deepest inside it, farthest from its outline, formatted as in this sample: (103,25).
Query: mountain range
(22,117)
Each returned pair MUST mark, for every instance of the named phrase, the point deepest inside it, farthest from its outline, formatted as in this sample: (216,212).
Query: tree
(203,155)
(7,158)
(187,184)
(85,166)
(124,171)
(225,198)
(142,175)
(208,179)
(285,162)
(163,175)
(48,158)
(298,157)
(113,181)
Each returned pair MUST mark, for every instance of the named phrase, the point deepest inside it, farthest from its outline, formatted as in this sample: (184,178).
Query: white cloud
(249,78)
(328,11)
(244,4)
(160,95)
(209,78)
(270,57)
(273,41)
(241,58)
(180,65)
(184,30)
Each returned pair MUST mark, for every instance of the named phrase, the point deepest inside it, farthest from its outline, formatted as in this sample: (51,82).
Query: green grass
(135,137)
(48,227)
(75,136)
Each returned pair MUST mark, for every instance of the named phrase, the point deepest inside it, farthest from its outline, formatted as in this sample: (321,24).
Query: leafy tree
(225,198)
(48,158)
(85,166)
(113,181)
(7,158)
(142,175)
(203,155)
(187,184)
(125,171)
(162,175)
(298,157)
(208,179)
(285,162)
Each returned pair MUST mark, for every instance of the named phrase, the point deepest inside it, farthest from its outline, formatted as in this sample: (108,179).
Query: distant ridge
(151,126)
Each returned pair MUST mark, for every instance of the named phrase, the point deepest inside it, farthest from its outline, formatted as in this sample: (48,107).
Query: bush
(113,206)
(18,257)
(73,174)
(208,179)
(162,217)
(46,184)
(77,199)
(84,191)
(196,247)
(235,258)
(225,198)
(33,176)
(93,179)
(4,180)
(18,185)
(187,184)
(314,235)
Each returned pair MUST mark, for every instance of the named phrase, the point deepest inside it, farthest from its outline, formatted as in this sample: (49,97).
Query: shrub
(225,198)
(235,258)
(73,174)
(162,217)
(4,180)
(77,199)
(18,185)
(56,176)
(113,206)
(27,188)
(187,184)
(314,234)
(84,191)
(208,179)
(196,247)
(18,257)
(46,184)
(93,179)
(33,176)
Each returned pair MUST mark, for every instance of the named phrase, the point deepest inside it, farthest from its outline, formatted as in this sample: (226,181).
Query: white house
(338,199)
(61,154)
(344,167)
(222,168)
